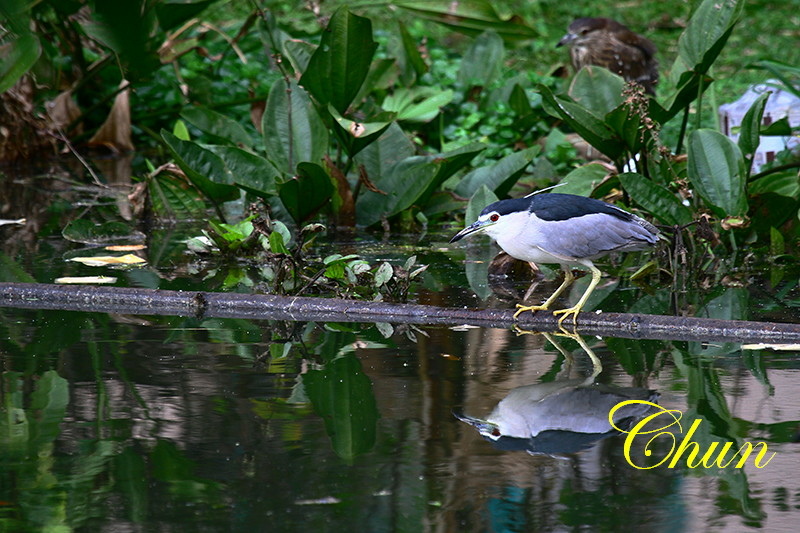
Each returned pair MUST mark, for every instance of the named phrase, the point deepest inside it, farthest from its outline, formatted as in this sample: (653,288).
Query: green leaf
(591,127)
(707,31)
(341,61)
(276,244)
(181,131)
(482,63)
(583,180)
(280,227)
(298,52)
(408,181)
(307,192)
(293,130)
(518,101)
(391,147)
(499,176)
(781,183)
(49,402)
(173,13)
(173,197)
(716,169)
(222,128)
(204,168)
(355,136)
(130,29)
(383,274)
(657,200)
(18,58)
(478,258)
(780,128)
(403,183)
(342,395)
(250,172)
(411,56)
(597,89)
(417,104)
(479,199)
(749,135)
(471,17)
(698,47)
(449,163)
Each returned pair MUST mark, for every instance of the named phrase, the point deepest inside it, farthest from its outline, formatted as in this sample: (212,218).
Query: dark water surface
(115,423)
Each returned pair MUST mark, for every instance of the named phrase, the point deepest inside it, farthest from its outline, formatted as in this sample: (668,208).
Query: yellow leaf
(87,280)
(103,260)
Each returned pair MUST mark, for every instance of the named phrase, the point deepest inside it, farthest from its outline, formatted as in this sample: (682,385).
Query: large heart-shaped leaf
(716,169)
(400,187)
(597,89)
(204,168)
(391,147)
(222,128)
(293,130)
(341,61)
(307,192)
(250,172)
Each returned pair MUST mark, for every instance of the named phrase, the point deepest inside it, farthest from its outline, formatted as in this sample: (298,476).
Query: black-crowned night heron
(563,229)
(611,45)
(562,416)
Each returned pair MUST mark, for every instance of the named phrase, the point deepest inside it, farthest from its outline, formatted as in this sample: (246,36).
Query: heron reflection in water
(563,416)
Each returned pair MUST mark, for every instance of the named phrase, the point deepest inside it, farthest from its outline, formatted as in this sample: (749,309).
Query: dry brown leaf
(63,111)
(115,133)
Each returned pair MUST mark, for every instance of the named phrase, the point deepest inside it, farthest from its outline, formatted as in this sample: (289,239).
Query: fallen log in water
(298,308)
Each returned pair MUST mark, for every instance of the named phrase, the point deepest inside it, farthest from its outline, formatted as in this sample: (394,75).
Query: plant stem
(682,133)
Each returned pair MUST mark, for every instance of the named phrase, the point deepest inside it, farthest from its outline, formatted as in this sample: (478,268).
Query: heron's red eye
(494,217)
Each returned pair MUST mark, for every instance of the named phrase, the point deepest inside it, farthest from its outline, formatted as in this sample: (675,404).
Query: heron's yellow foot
(567,312)
(532,308)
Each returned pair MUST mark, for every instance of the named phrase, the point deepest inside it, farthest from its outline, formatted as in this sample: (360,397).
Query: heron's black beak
(472,228)
(484,427)
(567,39)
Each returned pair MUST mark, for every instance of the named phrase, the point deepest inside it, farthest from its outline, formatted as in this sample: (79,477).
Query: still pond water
(141,423)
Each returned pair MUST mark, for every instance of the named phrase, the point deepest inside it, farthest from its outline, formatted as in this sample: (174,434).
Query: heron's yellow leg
(574,310)
(597,365)
(568,277)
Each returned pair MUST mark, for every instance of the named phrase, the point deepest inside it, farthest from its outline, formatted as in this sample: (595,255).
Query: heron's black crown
(556,207)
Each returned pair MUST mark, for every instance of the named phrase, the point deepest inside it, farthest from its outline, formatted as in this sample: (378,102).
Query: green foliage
(365,122)
(716,169)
